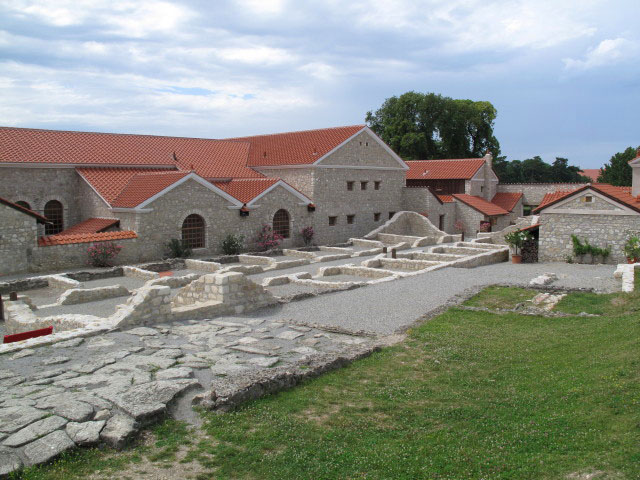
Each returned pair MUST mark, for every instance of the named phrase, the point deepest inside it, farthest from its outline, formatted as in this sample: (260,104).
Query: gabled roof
(246,189)
(39,218)
(295,148)
(621,195)
(211,158)
(506,200)
(58,239)
(446,198)
(108,182)
(480,204)
(91,225)
(451,169)
(143,186)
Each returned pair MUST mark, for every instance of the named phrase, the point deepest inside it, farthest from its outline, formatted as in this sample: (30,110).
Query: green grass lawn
(467,395)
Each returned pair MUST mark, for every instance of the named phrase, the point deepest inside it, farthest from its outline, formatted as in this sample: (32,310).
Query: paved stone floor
(104,388)
(81,392)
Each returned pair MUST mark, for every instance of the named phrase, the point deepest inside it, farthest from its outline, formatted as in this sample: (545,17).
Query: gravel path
(388,307)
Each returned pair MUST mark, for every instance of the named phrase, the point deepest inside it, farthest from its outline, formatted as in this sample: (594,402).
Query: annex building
(62,190)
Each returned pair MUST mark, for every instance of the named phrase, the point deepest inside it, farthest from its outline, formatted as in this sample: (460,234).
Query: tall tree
(427,126)
(617,171)
(536,170)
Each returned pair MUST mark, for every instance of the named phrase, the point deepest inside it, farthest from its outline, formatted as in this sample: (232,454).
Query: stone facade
(18,239)
(533,193)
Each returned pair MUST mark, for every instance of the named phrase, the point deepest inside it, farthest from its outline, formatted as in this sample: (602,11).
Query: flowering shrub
(485,226)
(100,254)
(232,244)
(307,234)
(267,238)
(458,226)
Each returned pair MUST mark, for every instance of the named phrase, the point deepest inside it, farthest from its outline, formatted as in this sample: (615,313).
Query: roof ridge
(234,139)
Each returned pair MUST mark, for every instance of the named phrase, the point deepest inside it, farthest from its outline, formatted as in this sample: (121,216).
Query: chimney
(488,158)
(635,175)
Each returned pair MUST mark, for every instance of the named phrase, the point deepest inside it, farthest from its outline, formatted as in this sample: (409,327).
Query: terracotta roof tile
(451,169)
(592,173)
(109,182)
(91,225)
(209,158)
(246,189)
(446,198)
(143,186)
(85,238)
(295,148)
(506,200)
(480,204)
(619,194)
(24,210)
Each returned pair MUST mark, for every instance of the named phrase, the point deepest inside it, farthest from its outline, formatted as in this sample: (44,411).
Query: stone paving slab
(112,385)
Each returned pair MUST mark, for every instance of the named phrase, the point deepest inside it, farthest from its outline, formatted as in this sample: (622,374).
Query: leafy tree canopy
(617,171)
(423,126)
(536,170)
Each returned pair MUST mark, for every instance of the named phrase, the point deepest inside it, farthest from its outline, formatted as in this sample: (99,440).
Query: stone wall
(18,240)
(533,193)
(405,224)
(470,217)
(601,230)
(421,200)
(299,178)
(37,186)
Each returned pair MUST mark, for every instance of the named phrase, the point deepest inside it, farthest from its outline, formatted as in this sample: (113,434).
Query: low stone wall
(298,253)
(456,250)
(174,282)
(246,269)
(136,272)
(487,257)
(150,304)
(22,285)
(627,273)
(362,242)
(407,224)
(405,264)
(389,238)
(366,272)
(202,266)
(61,281)
(256,260)
(84,295)
(288,264)
(20,318)
(432,257)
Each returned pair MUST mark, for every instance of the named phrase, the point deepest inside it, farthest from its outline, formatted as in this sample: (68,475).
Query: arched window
(281,223)
(54,213)
(24,204)
(193,231)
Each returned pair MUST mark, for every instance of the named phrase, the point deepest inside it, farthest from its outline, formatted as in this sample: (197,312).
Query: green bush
(232,244)
(580,249)
(176,249)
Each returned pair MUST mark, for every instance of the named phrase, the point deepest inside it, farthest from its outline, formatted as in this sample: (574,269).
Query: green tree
(536,170)
(617,171)
(427,126)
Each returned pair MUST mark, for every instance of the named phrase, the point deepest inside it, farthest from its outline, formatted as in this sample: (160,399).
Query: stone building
(142,191)
(604,215)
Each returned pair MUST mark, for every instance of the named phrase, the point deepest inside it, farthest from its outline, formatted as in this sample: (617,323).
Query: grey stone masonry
(18,239)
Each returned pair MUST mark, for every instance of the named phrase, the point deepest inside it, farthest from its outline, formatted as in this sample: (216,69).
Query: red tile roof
(210,158)
(143,186)
(446,198)
(480,204)
(452,169)
(109,182)
(246,189)
(295,148)
(85,238)
(39,218)
(552,197)
(506,200)
(592,173)
(619,194)
(91,225)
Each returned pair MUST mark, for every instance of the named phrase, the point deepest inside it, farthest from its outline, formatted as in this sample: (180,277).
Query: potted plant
(516,239)
(631,249)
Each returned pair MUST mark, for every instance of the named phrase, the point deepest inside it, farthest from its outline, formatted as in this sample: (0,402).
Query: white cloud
(256,54)
(607,52)
(263,7)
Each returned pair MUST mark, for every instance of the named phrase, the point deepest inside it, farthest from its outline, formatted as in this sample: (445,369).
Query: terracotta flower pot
(516,258)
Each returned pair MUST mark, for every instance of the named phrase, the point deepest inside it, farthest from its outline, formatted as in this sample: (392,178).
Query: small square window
(376,217)
(350,185)
(391,214)
(376,185)
(588,199)
(350,219)
(363,185)
(333,221)
(366,144)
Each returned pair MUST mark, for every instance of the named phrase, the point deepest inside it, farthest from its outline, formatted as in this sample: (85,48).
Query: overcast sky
(564,75)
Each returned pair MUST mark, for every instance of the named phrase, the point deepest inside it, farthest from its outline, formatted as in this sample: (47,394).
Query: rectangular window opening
(376,217)
(350,186)
(350,219)
(333,221)
(363,185)
(376,185)
(391,214)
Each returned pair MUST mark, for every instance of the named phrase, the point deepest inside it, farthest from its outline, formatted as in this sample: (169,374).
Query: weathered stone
(13,419)
(252,350)
(47,448)
(142,331)
(74,411)
(34,431)
(228,368)
(289,335)
(118,430)
(168,353)
(247,340)
(6,374)
(56,360)
(92,366)
(74,342)
(143,402)
(87,433)
(100,342)
(264,362)
(12,381)
(25,352)
(102,415)
(9,461)
(175,373)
